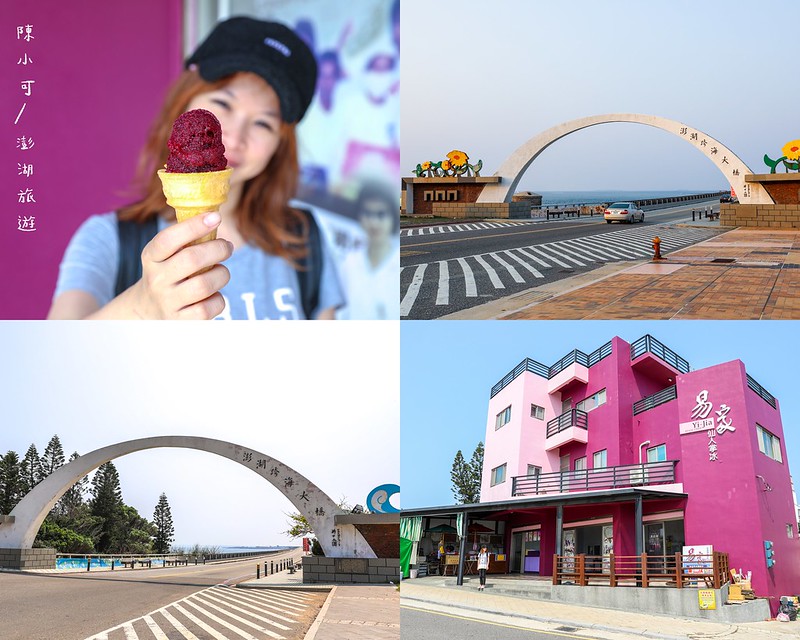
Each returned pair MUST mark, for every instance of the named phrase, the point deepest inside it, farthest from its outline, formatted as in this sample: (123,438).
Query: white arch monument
(18,530)
(731,166)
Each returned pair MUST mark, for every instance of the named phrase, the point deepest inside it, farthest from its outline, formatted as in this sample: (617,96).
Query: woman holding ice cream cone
(258,79)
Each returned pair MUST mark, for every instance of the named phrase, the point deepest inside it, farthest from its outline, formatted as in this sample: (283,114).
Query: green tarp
(410,533)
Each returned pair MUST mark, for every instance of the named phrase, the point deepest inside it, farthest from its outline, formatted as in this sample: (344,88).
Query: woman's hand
(180,281)
(171,285)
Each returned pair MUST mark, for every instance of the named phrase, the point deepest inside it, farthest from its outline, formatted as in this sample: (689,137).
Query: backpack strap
(309,273)
(133,236)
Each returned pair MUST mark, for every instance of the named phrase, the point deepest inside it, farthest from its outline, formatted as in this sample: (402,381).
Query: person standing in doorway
(483,565)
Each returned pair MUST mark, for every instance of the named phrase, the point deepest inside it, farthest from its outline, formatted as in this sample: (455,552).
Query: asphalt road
(447,268)
(429,625)
(73,606)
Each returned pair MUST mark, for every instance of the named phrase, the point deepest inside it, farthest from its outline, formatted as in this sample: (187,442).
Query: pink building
(627,451)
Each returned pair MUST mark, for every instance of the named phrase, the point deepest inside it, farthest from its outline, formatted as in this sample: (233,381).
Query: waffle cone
(191,194)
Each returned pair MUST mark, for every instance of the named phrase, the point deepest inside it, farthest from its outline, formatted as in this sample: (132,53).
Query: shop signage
(714,426)
(707,599)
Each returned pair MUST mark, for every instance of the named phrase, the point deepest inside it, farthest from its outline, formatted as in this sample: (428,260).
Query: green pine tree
(11,485)
(31,469)
(52,458)
(466,476)
(162,521)
(107,504)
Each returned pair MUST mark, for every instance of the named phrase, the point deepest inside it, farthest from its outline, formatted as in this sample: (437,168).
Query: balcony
(765,395)
(624,476)
(656,360)
(662,397)
(572,426)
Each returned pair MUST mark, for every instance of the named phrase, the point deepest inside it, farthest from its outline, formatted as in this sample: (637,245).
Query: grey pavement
(351,611)
(434,592)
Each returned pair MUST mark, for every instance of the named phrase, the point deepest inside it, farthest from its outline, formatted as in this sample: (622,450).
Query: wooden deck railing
(675,571)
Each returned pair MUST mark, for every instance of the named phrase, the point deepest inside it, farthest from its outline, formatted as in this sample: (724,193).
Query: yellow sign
(707,599)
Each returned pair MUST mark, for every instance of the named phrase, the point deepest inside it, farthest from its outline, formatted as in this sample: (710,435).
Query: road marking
(514,273)
(130,634)
(538,249)
(155,629)
(487,236)
(266,599)
(469,280)
(514,256)
(208,600)
(443,293)
(208,629)
(494,624)
(177,624)
(542,263)
(413,291)
(564,252)
(493,277)
(228,597)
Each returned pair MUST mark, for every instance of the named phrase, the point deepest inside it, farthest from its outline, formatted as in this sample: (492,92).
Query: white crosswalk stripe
(523,265)
(464,226)
(221,613)
(493,277)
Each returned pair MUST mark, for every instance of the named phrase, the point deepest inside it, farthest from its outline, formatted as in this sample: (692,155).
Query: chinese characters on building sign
(713,426)
(25,221)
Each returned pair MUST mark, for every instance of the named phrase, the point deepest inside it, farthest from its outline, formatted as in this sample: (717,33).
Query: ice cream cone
(191,194)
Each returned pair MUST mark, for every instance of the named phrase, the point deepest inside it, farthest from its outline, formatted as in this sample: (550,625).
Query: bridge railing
(584,208)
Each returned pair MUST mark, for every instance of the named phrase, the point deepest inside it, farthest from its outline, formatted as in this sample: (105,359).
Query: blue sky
(448,369)
(485,77)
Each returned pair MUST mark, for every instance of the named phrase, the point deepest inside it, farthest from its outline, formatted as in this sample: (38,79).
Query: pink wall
(100,70)
(727,506)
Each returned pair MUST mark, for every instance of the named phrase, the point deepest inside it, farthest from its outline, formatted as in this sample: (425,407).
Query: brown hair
(263,215)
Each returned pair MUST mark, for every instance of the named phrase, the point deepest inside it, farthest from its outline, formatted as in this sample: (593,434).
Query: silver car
(623,212)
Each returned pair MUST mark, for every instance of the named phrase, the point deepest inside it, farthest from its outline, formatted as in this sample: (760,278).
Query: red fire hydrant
(657,248)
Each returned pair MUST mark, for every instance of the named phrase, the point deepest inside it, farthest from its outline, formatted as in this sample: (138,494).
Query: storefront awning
(507,507)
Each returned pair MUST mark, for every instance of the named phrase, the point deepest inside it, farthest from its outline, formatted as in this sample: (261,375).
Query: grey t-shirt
(262,286)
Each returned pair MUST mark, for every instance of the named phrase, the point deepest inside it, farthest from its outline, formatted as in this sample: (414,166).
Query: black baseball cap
(271,50)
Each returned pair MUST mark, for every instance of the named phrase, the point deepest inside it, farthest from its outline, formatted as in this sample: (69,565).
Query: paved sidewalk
(351,612)
(745,274)
(433,593)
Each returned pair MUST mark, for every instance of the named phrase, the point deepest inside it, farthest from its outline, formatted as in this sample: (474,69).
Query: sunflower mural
(791,151)
(456,165)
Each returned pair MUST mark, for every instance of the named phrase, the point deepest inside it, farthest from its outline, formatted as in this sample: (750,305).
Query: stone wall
(765,216)
(482,210)
(28,558)
(318,569)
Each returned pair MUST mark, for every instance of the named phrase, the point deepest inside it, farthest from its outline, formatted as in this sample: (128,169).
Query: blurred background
(82,82)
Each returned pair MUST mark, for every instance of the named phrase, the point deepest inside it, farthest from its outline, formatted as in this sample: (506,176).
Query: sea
(601,197)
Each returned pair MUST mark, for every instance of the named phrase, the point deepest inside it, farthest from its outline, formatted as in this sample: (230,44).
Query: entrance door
(516,552)
(654,545)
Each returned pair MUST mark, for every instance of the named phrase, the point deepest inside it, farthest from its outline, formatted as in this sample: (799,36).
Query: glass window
(592,402)
(503,417)
(499,474)
(537,412)
(533,470)
(600,459)
(580,464)
(768,444)
(657,454)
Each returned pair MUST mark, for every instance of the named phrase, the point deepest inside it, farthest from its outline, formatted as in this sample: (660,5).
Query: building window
(533,470)
(768,444)
(592,402)
(503,417)
(600,459)
(537,412)
(790,530)
(657,454)
(499,474)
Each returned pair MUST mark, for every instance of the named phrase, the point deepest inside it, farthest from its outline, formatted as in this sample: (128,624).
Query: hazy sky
(322,398)
(485,77)
(449,369)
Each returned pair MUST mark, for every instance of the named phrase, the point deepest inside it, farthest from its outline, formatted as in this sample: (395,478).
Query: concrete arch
(731,166)
(312,502)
